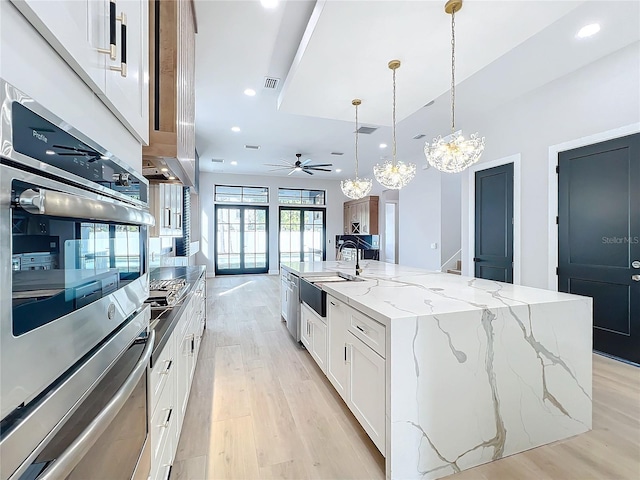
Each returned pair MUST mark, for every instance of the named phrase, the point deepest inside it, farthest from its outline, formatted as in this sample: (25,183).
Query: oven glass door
(60,265)
(114,455)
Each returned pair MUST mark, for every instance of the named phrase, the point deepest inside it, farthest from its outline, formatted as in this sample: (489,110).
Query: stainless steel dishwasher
(293,306)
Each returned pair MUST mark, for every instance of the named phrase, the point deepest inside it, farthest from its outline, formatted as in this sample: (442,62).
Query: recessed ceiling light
(250,92)
(338,170)
(588,30)
(235,129)
(164,169)
(233,162)
(50,152)
(172,178)
(269,3)
(383,145)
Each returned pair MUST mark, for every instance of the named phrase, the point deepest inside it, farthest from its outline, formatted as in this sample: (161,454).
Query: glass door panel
(302,234)
(241,240)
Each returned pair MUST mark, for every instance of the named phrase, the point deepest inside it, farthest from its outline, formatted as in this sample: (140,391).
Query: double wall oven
(74,339)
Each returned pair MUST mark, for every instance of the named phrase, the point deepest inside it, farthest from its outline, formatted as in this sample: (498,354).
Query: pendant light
(358,187)
(394,174)
(454,153)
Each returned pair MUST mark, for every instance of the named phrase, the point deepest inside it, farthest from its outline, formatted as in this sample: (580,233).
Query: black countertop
(164,327)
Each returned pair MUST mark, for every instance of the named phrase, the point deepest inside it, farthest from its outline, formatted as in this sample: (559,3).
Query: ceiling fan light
(356,188)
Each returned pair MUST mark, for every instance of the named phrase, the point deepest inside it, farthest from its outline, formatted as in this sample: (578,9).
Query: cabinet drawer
(162,372)
(368,330)
(160,429)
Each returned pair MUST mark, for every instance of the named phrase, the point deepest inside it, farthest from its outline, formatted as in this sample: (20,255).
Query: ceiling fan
(300,166)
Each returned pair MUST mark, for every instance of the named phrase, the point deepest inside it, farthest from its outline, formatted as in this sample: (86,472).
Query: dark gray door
(599,239)
(494,224)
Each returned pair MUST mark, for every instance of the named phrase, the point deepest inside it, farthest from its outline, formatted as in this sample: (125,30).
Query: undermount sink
(312,294)
(334,277)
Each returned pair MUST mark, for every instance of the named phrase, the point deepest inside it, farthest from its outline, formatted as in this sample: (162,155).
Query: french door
(302,234)
(242,239)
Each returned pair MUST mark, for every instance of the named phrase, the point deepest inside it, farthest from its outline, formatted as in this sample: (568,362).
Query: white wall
(387,196)
(599,97)
(450,216)
(334,198)
(29,63)
(420,219)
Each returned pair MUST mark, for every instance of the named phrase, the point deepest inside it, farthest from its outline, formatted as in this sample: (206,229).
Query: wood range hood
(171,150)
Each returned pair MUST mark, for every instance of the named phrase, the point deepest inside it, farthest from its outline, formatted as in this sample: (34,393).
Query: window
(232,194)
(300,197)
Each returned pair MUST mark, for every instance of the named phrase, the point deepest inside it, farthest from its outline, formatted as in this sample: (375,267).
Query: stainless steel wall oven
(73,267)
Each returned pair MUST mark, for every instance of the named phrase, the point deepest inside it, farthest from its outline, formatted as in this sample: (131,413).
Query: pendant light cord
(356,142)
(394,117)
(453,70)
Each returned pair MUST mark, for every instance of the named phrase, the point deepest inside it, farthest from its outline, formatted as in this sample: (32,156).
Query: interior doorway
(599,238)
(391,232)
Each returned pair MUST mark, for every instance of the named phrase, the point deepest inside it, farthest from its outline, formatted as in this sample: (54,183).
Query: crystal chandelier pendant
(358,187)
(454,153)
(394,174)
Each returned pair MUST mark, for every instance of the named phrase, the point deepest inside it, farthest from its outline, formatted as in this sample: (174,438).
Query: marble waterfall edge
(483,384)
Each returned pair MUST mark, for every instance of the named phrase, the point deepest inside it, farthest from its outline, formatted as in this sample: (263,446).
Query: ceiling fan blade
(277,165)
(277,169)
(291,172)
(318,169)
(320,165)
(307,171)
(306,161)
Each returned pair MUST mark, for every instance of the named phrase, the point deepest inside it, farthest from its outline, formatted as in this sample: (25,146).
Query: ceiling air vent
(367,130)
(419,136)
(337,154)
(271,83)
(252,147)
(217,160)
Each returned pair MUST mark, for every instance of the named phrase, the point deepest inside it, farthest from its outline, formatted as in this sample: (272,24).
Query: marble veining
(476,369)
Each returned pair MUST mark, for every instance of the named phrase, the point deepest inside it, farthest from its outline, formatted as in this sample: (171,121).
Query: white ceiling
(328,52)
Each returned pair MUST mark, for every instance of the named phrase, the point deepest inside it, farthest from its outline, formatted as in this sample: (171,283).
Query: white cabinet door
(79,31)
(76,29)
(127,89)
(319,343)
(306,319)
(366,391)
(176,209)
(337,368)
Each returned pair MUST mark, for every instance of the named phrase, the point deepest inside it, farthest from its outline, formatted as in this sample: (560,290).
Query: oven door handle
(69,459)
(58,204)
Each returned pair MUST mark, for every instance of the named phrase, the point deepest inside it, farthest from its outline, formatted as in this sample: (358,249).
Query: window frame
(300,204)
(242,195)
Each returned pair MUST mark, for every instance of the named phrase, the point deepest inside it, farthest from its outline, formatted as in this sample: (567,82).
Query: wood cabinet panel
(361,216)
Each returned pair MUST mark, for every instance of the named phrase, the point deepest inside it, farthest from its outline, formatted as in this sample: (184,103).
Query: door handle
(111,51)
(635,278)
(635,264)
(123,47)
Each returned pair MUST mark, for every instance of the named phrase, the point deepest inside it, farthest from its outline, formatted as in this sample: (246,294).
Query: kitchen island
(473,370)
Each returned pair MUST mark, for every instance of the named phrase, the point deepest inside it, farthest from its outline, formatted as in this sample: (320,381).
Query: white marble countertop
(389,292)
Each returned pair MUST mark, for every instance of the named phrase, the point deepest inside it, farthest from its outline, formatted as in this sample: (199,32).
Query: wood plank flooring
(260,408)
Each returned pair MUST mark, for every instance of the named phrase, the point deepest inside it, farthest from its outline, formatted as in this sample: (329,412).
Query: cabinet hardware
(361,329)
(333,304)
(166,421)
(168,470)
(167,368)
(111,51)
(635,278)
(123,47)
(345,353)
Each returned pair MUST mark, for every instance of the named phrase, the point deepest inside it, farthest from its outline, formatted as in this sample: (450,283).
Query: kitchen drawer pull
(333,304)
(123,47)
(167,368)
(168,470)
(165,424)
(362,329)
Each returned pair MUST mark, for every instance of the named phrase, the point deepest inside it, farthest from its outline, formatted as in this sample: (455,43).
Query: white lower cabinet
(366,384)
(314,336)
(170,383)
(355,369)
(284,296)
(337,368)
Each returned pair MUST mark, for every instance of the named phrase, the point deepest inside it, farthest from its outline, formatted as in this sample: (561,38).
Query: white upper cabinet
(107,44)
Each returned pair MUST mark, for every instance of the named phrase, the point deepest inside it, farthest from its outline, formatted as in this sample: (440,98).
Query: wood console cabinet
(172,29)
(361,216)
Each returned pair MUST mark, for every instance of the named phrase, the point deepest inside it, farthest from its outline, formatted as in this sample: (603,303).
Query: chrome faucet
(354,245)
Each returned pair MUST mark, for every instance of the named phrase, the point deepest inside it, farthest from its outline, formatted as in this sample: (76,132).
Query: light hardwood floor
(260,408)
